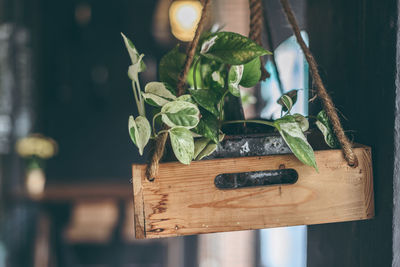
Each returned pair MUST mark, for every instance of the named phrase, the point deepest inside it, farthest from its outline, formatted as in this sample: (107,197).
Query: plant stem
(194,72)
(162,131)
(154,120)
(250,121)
(143,111)
(226,87)
(138,103)
(221,106)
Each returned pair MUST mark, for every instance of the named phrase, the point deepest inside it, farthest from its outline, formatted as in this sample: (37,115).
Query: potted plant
(196,120)
(191,197)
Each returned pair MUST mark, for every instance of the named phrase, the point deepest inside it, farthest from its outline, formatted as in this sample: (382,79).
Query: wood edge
(138,204)
(369,183)
(174,163)
(155,236)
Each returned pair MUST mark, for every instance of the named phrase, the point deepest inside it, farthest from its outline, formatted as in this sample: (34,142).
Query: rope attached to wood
(329,107)
(256,21)
(152,167)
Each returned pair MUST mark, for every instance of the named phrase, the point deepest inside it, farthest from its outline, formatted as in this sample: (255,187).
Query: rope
(329,107)
(152,167)
(256,19)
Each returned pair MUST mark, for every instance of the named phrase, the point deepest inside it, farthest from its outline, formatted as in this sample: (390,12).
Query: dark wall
(355,45)
(86,94)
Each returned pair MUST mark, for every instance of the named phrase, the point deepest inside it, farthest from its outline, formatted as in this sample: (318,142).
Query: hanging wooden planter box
(186,200)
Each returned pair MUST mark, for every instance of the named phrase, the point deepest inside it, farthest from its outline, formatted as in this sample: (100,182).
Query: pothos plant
(223,62)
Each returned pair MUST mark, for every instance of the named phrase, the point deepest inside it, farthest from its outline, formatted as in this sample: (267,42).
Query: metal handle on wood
(256,178)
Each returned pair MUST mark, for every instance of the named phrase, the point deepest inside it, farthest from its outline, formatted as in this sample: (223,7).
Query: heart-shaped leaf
(324,125)
(213,75)
(207,99)
(301,121)
(234,77)
(171,66)
(295,139)
(180,113)
(160,89)
(231,48)
(182,144)
(208,126)
(133,53)
(139,131)
(187,98)
(208,150)
(134,69)
(288,100)
(199,145)
(286,103)
(251,73)
(154,100)
(158,94)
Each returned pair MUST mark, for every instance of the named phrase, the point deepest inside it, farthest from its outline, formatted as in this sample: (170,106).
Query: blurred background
(65,152)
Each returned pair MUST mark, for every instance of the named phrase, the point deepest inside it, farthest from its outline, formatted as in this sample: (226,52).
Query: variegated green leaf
(208,150)
(182,144)
(325,126)
(139,131)
(213,75)
(199,145)
(180,113)
(208,126)
(154,100)
(134,69)
(171,66)
(231,48)
(295,139)
(288,100)
(207,99)
(133,54)
(251,73)
(187,98)
(234,78)
(302,121)
(159,89)
(157,94)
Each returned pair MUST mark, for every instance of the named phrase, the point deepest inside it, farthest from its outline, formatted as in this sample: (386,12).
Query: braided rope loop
(327,102)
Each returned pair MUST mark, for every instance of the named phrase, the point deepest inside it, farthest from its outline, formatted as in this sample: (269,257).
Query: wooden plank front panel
(183,199)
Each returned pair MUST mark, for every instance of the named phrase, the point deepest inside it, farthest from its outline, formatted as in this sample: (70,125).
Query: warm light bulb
(184,16)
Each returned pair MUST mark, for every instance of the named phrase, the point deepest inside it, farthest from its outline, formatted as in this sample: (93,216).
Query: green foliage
(301,121)
(157,94)
(139,131)
(182,144)
(231,48)
(208,126)
(295,139)
(171,66)
(203,147)
(180,113)
(224,61)
(199,145)
(234,78)
(187,98)
(251,73)
(208,150)
(324,125)
(133,53)
(206,99)
(288,100)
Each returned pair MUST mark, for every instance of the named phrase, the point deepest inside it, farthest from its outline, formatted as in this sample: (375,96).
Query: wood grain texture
(183,199)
